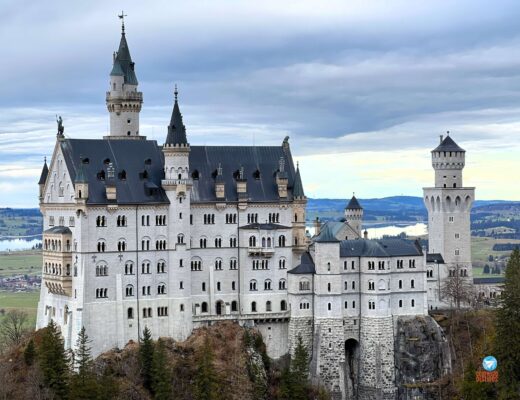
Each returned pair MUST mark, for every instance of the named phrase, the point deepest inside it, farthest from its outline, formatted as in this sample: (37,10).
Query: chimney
(317,226)
(281,179)
(219,184)
(441,137)
(365,234)
(242,184)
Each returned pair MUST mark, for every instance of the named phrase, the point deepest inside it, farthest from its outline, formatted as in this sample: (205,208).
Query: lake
(18,244)
(380,230)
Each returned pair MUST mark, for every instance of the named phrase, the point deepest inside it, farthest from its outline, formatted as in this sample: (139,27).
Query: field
(20,262)
(26,301)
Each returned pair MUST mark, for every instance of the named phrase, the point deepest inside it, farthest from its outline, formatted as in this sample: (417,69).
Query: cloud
(368,86)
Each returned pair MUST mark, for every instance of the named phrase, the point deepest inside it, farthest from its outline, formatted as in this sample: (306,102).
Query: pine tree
(473,390)
(507,323)
(206,378)
(29,353)
(146,351)
(162,379)
(84,385)
(300,372)
(54,361)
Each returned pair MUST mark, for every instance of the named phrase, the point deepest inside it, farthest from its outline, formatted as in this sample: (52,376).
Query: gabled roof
(326,235)
(448,144)
(434,258)
(123,62)
(176,129)
(379,248)
(306,265)
(298,186)
(353,204)
(44,174)
(137,164)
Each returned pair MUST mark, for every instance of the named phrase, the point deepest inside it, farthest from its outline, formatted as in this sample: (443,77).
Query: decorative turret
(448,161)
(110,184)
(176,130)
(298,192)
(282,179)
(354,215)
(123,100)
(43,177)
(81,183)
(220,192)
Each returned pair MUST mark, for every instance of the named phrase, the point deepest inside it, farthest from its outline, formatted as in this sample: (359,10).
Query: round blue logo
(489,363)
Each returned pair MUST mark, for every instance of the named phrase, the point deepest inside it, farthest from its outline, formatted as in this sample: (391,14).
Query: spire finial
(448,133)
(297,165)
(122,18)
(45,159)
(353,194)
(176,92)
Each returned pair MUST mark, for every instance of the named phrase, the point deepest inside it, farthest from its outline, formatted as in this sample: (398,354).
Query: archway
(219,307)
(351,368)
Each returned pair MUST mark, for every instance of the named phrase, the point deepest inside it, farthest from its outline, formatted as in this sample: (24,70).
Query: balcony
(242,317)
(261,251)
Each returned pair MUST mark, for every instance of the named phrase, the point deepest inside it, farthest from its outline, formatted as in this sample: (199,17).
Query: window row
(266,241)
(55,245)
(253,285)
(61,221)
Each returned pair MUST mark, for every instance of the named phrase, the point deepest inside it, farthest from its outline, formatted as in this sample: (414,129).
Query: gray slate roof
(131,157)
(176,129)
(379,248)
(326,235)
(448,144)
(260,165)
(44,174)
(306,265)
(58,229)
(434,258)
(353,204)
(298,186)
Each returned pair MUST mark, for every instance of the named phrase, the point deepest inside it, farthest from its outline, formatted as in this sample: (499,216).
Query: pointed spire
(298,186)
(123,64)
(45,172)
(353,204)
(176,129)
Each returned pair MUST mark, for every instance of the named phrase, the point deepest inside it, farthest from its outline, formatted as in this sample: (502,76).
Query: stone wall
(376,379)
(303,327)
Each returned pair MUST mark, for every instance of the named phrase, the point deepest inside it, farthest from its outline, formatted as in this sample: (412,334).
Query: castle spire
(298,186)
(176,129)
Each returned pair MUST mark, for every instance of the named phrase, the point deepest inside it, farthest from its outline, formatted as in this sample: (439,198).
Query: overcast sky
(363,89)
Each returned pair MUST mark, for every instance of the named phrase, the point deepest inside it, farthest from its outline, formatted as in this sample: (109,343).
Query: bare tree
(13,327)
(458,289)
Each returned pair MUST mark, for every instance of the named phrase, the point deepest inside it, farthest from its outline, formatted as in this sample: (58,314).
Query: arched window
(267,284)
(281,284)
(412,283)
(281,241)
(281,263)
(180,238)
(253,285)
(130,313)
(305,284)
(268,306)
(413,303)
(161,288)
(234,307)
(283,305)
(252,241)
(129,268)
(204,307)
(253,306)
(129,291)
(371,285)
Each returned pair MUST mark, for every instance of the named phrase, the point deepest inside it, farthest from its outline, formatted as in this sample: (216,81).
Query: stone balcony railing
(126,96)
(261,251)
(241,317)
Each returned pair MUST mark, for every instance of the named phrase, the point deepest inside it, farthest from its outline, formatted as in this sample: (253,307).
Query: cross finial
(45,160)
(353,194)
(219,169)
(176,92)
(122,18)
(297,165)
(448,133)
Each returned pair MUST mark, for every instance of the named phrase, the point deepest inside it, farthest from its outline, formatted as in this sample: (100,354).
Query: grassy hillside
(20,262)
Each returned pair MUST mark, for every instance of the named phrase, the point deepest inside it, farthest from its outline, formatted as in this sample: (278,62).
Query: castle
(172,237)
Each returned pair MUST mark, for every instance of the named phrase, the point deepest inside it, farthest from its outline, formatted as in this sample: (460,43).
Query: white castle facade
(174,237)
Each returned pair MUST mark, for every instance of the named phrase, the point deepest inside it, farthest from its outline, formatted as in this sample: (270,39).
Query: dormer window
(86,160)
(256,174)
(101,175)
(195,174)
(122,175)
(106,161)
(148,161)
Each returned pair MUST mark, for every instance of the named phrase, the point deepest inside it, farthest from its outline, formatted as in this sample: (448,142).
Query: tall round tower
(354,215)
(449,207)
(123,100)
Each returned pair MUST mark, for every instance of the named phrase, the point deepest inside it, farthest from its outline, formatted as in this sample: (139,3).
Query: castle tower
(123,100)
(354,215)
(178,184)
(300,202)
(449,207)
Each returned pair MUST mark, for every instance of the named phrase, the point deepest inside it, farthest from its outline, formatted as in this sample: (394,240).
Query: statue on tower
(61,128)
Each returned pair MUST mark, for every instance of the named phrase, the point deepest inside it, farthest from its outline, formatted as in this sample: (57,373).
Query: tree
(83,385)
(300,371)
(473,390)
(161,373)
(146,350)
(206,378)
(457,289)
(54,361)
(29,353)
(507,345)
(13,327)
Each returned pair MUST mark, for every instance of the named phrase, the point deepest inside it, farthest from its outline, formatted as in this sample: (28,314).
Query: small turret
(354,215)
(176,130)
(448,161)
(43,177)
(298,192)
(81,183)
